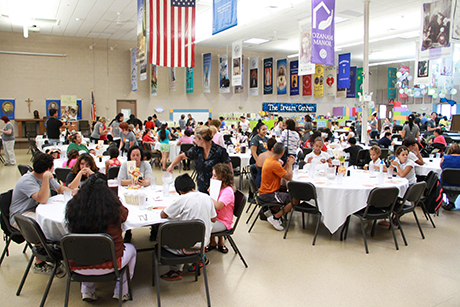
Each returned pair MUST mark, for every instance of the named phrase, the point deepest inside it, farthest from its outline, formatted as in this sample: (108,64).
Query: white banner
(330,75)
(133,69)
(172,79)
(305,65)
(254,76)
(224,82)
(153,80)
(237,51)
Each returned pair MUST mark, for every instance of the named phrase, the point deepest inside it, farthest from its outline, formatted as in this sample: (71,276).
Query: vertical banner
(253,76)
(141,46)
(7,108)
(268,76)
(172,79)
(330,75)
(456,20)
(404,82)
(189,80)
(344,70)
(153,80)
(53,104)
(281,82)
(436,29)
(341,93)
(224,15)
(206,73)
(224,81)
(237,49)
(133,70)
(319,81)
(423,75)
(307,85)
(240,88)
(293,71)
(69,107)
(391,92)
(305,65)
(359,80)
(351,91)
(79,105)
(322,33)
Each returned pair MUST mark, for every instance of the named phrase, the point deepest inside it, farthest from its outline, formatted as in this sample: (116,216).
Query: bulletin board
(200,115)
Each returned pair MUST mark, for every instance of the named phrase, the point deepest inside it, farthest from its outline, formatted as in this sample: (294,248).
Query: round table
(433,165)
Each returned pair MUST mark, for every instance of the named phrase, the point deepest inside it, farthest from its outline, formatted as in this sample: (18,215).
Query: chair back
(302,191)
(306,151)
(236,163)
(382,198)
(76,247)
(430,180)
(61,173)
(415,192)
(253,186)
(451,176)
(112,172)
(363,157)
(180,234)
(383,153)
(227,138)
(147,146)
(185,147)
(240,202)
(5,203)
(23,169)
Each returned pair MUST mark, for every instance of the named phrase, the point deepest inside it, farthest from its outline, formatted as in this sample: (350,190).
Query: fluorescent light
(404,35)
(338,19)
(293,55)
(411,34)
(256,41)
(392,62)
(337,49)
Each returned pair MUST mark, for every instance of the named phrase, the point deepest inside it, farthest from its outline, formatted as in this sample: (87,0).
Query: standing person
(258,142)
(206,154)
(222,123)
(53,125)
(217,138)
(115,125)
(359,127)
(190,121)
(244,124)
(308,127)
(410,130)
(150,124)
(104,213)
(431,124)
(182,122)
(100,131)
(374,126)
(290,138)
(164,137)
(128,138)
(156,121)
(423,120)
(8,141)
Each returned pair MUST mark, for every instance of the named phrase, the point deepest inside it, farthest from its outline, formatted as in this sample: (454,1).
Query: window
(382,111)
(446,109)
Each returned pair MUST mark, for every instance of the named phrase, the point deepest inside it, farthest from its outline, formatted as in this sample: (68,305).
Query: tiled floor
(288,272)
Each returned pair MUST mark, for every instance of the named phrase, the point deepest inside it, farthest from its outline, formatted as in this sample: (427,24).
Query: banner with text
(330,74)
(237,50)
(391,91)
(141,41)
(153,80)
(206,73)
(281,82)
(319,81)
(405,83)
(240,88)
(359,80)
(305,65)
(224,81)
(351,91)
(253,76)
(293,71)
(7,108)
(268,76)
(189,80)
(307,85)
(344,70)
(133,70)
(322,34)
(289,107)
(224,15)
(172,79)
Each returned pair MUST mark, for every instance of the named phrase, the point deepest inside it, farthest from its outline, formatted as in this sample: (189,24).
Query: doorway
(127,107)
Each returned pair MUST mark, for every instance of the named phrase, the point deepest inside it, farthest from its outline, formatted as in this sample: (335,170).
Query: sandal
(222,249)
(210,247)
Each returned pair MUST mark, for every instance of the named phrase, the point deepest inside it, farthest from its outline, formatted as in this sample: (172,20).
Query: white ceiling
(116,20)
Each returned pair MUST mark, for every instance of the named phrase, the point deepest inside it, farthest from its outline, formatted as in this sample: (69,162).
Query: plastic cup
(113,186)
(142,201)
(340,178)
(67,195)
(165,189)
(390,172)
(153,184)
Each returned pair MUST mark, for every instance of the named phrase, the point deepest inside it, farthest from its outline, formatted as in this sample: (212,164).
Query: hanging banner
(224,81)
(236,60)
(172,79)
(281,82)
(53,104)
(79,104)
(404,82)
(391,85)
(189,80)
(456,21)
(436,28)
(293,71)
(141,45)
(224,15)
(133,70)
(240,88)
(69,107)
(344,70)
(351,91)
(341,93)
(7,108)
(206,73)
(359,80)
(305,65)
(289,107)
(322,33)
(319,81)
(307,85)
(330,74)
(153,80)
(268,76)
(423,70)
(253,76)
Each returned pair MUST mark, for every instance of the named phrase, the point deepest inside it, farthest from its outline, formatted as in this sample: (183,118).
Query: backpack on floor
(433,197)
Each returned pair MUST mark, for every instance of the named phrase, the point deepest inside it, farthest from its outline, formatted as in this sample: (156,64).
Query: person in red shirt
(150,124)
(311,141)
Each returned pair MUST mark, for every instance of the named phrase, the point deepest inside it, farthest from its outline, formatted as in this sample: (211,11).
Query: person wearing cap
(8,141)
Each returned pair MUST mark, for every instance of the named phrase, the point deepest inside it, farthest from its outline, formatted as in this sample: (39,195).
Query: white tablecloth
(434,165)
(51,216)
(244,158)
(40,140)
(337,202)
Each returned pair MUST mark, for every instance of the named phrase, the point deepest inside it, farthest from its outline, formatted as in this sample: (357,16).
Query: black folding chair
(240,201)
(184,148)
(263,205)
(92,249)
(431,181)
(179,235)
(306,151)
(450,182)
(237,171)
(363,158)
(112,172)
(255,192)
(302,193)
(23,169)
(61,173)
(32,147)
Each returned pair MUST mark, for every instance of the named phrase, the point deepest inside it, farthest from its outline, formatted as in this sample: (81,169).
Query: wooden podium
(39,121)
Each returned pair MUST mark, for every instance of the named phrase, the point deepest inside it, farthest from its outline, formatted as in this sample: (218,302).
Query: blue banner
(189,88)
(322,32)
(53,104)
(344,70)
(294,68)
(224,15)
(281,82)
(289,107)
(351,91)
(7,109)
(207,73)
(268,76)
(79,109)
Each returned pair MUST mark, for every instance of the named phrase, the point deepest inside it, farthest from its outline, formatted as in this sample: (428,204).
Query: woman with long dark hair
(259,141)
(410,130)
(164,137)
(96,209)
(290,138)
(114,124)
(81,170)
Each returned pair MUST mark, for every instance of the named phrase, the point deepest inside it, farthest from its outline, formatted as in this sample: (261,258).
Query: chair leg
(289,223)
(255,220)
(25,275)
(394,235)
(316,230)
(303,220)
(48,286)
(157,278)
(401,229)
(67,291)
(364,236)
(344,229)
(249,218)
(129,284)
(230,239)
(427,215)
(418,224)
(23,251)
(205,281)
(5,250)
(373,228)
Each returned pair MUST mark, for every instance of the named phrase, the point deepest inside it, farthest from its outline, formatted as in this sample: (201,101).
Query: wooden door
(127,107)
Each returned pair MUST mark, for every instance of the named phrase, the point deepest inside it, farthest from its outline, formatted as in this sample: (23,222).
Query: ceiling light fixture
(392,62)
(293,55)
(256,41)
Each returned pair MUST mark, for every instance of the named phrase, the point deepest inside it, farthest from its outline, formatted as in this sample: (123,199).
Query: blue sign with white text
(344,70)
(289,107)
(224,15)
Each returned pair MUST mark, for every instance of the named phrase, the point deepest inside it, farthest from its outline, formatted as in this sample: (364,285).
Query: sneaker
(172,276)
(124,298)
(276,223)
(43,268)
(192,268)
(449,206)
(89,296)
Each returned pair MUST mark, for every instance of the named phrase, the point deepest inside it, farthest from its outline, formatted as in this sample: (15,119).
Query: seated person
(76,143)
(104,213)
(190,205)
(414,152)
(72,156)
(113,161)
(54,152)
(385,141)
(82,169)
(351,133)
(317,155)
(311,141)
(261,159)
(403,166)
(375,162)
(272,172)
(439,141)
(353,150)
(31,190)
(186,139)
(136,154)
(451,160)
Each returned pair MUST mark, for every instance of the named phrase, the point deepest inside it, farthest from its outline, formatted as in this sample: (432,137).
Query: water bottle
(381,166)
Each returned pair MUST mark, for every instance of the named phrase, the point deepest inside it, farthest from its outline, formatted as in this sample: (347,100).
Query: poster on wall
(153,80)
(253,76)
(172,79)
(404,82)
(436,29)
(206,73)
(330,74)
(351,91)
(281,82)
(294,80)
(189,80)
(133,70)
(69,108)
(307,85)
(240,88)
(344,70)
(359,80)
(224,81)
(141,33)
(237,50)
(456,21)
(305,65)
(268,76)
(7,108)
(224,15)
(391,92)
(319,81)
(53,104)
(322,31)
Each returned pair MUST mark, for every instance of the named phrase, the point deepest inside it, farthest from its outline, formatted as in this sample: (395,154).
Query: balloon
(422,86)
(423,92)
(453,91)
(435,96)
(401,91)
(398,74)
(409,78)
(442,95)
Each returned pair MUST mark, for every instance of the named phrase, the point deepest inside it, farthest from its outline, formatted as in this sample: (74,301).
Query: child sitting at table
(72,156)
(353,150)
(317,155)
(375,152)
(403,166)
(113,161)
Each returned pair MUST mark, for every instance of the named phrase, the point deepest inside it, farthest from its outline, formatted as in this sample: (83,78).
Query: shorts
(164,147)
(281,198)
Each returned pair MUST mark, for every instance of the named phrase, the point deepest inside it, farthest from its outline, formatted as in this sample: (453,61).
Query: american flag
(172,33)
(93,108)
